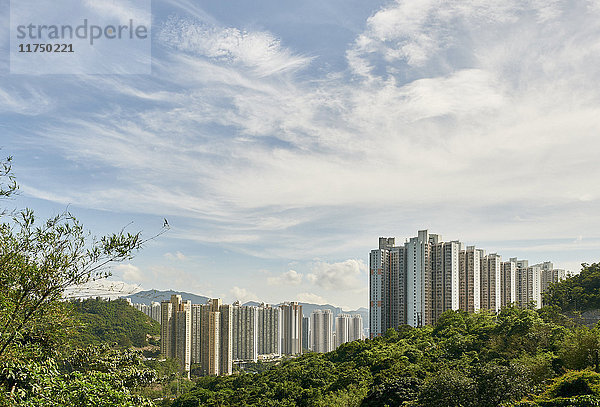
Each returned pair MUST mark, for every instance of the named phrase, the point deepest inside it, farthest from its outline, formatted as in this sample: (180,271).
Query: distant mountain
(149,296)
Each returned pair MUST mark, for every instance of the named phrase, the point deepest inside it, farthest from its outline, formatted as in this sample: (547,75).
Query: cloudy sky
(281,139)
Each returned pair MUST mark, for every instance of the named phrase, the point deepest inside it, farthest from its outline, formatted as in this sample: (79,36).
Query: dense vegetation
(102,321)
(578,293)
(477,360)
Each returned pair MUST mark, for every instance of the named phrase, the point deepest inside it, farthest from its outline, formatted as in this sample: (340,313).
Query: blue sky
(281,139)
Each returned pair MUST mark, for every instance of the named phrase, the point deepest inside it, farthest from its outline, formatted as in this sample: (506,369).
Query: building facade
(245,333)
(415,283)
(291,328)
(321,328)
(176,327)
(509,283)
(269,330)
(470,279)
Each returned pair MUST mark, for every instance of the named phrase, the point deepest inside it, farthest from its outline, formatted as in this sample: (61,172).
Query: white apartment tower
(529,283)
(321,327)
(245,333)
(343,329)
(348,328)
(419,300)
(291,332)
(269,330)
(356,328)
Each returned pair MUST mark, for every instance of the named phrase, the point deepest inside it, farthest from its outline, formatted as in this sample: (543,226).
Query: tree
(38,261)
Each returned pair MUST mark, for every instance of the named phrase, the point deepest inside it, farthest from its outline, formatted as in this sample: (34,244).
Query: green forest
(55,352)
(101,321)
(520,357)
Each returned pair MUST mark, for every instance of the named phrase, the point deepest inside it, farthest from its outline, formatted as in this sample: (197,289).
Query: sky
(280,139)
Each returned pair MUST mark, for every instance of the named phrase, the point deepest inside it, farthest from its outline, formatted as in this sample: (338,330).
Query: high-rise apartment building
(348,328)
(321,327)
(152,310)
(291,336)
(244,333)
(491,267)
(380,286)
(305,333)
(210,338)
(226,340)
(356,328)
(445,273)
(508,283)
(176,327)
(419,298)
(470,279)
(414,283)
(417,282)
(343,329)
(269,330)
(523,285)
(529,283)
(552,276)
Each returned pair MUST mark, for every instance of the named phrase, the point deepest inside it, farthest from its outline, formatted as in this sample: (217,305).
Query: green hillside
(105,321)
(578,293)
(476,360)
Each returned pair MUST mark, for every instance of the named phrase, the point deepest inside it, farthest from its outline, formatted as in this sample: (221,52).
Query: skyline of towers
(214,335)
(414,283)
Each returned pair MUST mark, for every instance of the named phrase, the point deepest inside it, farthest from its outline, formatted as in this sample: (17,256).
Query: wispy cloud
(469,118)
(260,51)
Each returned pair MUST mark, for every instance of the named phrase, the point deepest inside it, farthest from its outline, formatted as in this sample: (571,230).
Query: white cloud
(311,298)
(291,277)
(260,51)
(102,288)
(344,275)
(484,112)
(129,272)
(177,256)
(243,295)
